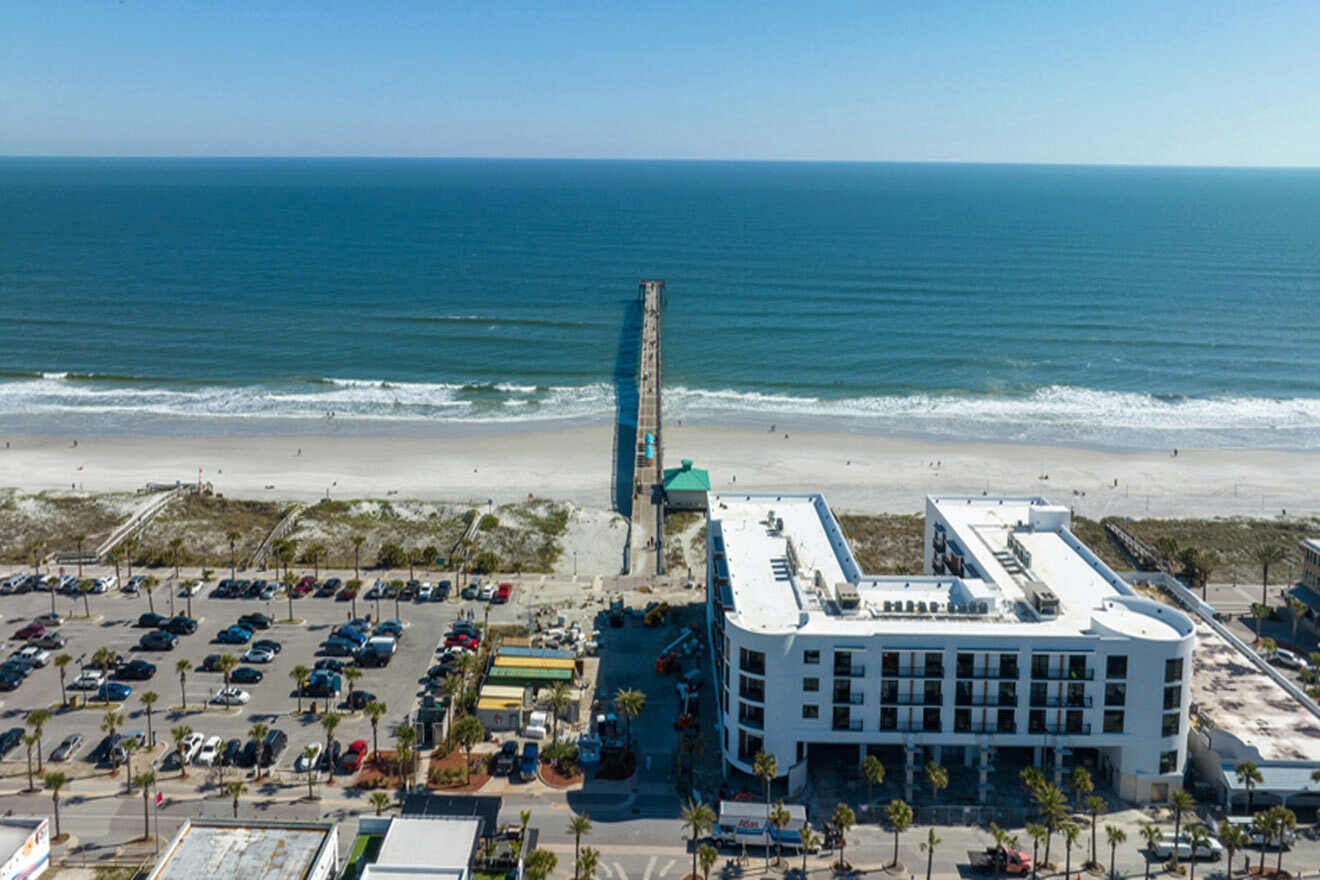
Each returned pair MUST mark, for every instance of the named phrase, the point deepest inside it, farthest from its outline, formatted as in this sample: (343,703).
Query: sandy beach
(857,473)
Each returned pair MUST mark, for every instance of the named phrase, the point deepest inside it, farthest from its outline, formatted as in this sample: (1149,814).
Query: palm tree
(182,668)
(766,768)
(540,864)
(357,551)
(405,736)
(778,820)
(1282,820)
(696,820)
(114,557)
(299,675)
(226,664)
(380,800)
(1070,831)
(808,839)
(54,782)
(1150,832)
(899,815)
(578,826)
(149,699)
(1248,774)
(310,753)
(179,733)
(1114,835)
(145,780)
(937,778)
(314,552)
(874,774)
(629,703)
(175,544)
(1037,833)
(843,819)
(584,867)
(329,721)
(147,586)
(111,721)
(78,539)
(257,733)
(1296,608)
(129,544)
(1266,554)
(130,745)
(1081,784)
(1197,837)
(232,537)
(468,732)
(1259,612)
(928,846)
(1003,840)
(85,589)
(1053,806)
(1094,805)
(235,790)
(559,700)
(375,710)
(1261,827)
(1234,837)
(36,719)
(708,855)
(30,740)
(62,662)
(352,675)
(1182,803)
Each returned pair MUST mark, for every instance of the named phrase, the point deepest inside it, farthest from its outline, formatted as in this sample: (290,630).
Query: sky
(1181,82)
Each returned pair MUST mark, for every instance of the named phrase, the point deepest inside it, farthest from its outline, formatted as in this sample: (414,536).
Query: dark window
(1077,694)
(751,661)
(1172,697)
(965,664)
(811,657)
(1116,666)
(932,693)
(935,665)
(962,720)
(1008,667)
(930,719)
(1169,725)
(843,663)
(889,691)
(811,710)
(752,716)
(811,684)
(889,663)
(1169,761)
(962,693)
(842,718)
(1040,666)
(1008,693)
(842,690)
(1173,669)
(1073,722)
(1036,721)
(1006,721)
(1077,666)
(751,688)
(1115,693)
(1039,693)
(1113,721)
(888,718)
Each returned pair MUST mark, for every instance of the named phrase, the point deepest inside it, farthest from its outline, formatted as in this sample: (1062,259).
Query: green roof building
(686,487)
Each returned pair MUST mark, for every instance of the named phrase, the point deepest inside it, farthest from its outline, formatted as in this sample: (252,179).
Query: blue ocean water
(1125,307)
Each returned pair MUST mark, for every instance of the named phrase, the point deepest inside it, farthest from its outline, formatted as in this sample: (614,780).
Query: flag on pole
(159,798)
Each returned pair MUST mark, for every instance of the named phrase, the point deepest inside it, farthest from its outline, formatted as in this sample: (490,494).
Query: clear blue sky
(1177,82)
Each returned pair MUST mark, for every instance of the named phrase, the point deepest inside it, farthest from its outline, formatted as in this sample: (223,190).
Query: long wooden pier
(648,514)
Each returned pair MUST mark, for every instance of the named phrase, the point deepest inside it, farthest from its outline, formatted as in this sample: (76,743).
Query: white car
(424,591)
(210,752)
(1208,849)
(192,588)
(305,763)
(486,591)
(258,655)
(192,744)
(109,582)
(88,680)
(34,655)
(232,696)
(1284,657)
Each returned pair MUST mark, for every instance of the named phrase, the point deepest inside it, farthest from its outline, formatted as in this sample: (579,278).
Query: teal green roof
(687,479)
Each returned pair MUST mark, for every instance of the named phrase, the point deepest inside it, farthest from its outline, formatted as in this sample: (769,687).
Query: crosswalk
(654,870)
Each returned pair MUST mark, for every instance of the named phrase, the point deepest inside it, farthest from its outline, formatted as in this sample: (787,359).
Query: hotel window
(1040,666)
(888,718)
(1036,721)
(1169,761)
(811,684)
(965,664)
(752,661)
(811,658)
(931,693)
(1173,669)
(1113,721)
(751,689)
(1169,724)
(1005,721)
(1008,693)
(1008,667)
(962,693)
(930,719)
(935,665)
(889,692)
(889,663)
(1172,697)
(810,710)
(962,720)
(1116,694)
(1116,666)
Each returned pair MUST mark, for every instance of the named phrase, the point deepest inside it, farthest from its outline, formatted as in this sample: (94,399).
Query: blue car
(113,690)
(234,635)
(530,755)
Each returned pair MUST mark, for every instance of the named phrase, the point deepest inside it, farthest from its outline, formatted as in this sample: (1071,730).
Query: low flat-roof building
(220,849)
(1017,636)
(415,847)
(25,847)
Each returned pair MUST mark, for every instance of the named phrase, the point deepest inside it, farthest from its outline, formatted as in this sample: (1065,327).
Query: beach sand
(857,473)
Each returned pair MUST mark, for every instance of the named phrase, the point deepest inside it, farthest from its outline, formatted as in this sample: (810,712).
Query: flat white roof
(14,832)
(431,847)
(786,559)
(216,849)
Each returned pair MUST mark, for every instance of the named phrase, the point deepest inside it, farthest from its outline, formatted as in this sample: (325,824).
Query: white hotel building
(1017,636)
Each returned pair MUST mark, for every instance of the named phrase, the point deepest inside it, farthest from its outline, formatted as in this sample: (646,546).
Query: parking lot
(273,700)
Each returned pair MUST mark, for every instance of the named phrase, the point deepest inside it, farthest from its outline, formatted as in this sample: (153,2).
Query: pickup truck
(1001,859)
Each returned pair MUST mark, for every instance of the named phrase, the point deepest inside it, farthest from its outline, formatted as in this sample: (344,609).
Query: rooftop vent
(846,595)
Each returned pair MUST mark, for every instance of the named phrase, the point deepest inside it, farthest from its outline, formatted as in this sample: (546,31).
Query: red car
(352,758)
(460,640)
(31,631)
(307,581)
(502,594)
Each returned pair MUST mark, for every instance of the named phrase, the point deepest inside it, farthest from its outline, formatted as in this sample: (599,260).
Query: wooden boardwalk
(648,455)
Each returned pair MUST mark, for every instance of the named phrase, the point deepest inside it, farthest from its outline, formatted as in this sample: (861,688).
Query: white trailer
(747,822)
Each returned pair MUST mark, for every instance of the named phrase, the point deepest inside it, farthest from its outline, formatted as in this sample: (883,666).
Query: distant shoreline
(857,472)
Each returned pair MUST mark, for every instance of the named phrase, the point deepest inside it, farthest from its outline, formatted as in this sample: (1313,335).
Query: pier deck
(648,497)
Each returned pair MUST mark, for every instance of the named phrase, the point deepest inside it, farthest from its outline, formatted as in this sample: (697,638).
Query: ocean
(1109,307)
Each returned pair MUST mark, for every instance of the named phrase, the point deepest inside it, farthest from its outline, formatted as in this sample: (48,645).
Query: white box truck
(747,822)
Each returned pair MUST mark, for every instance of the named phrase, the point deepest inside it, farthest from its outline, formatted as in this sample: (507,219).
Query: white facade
(1016,636)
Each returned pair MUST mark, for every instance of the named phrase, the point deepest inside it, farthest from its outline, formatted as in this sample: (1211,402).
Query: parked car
(113,691)
(210,752)
(229,754)
(151,621)
(180,626)
(160,640)
(359,699)
(31,631)
(211,663)
(331,758)
(87,680)
(246,675)
(117,750)
(9,681)
(530,757)
(67,748)
(232,696)
(191,745)
(441,591)
(330,665)
(460,639)
(308,758)
(255,621)
(502,594)
(52,640)
(190,589)
(328,588)
(465,627)
(10,739)
(337,647)
(136,670)
(234,635)
(470,591)
(424,591)
(352,758)
(485,593)
(272,746)
(258,655)
(268,645)
(33,654)
(1286,658)
(507,758)
(48,620)
(1164,847)
(389,627)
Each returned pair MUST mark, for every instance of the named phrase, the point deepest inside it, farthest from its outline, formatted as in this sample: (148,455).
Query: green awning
(687,478)
(505,674)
